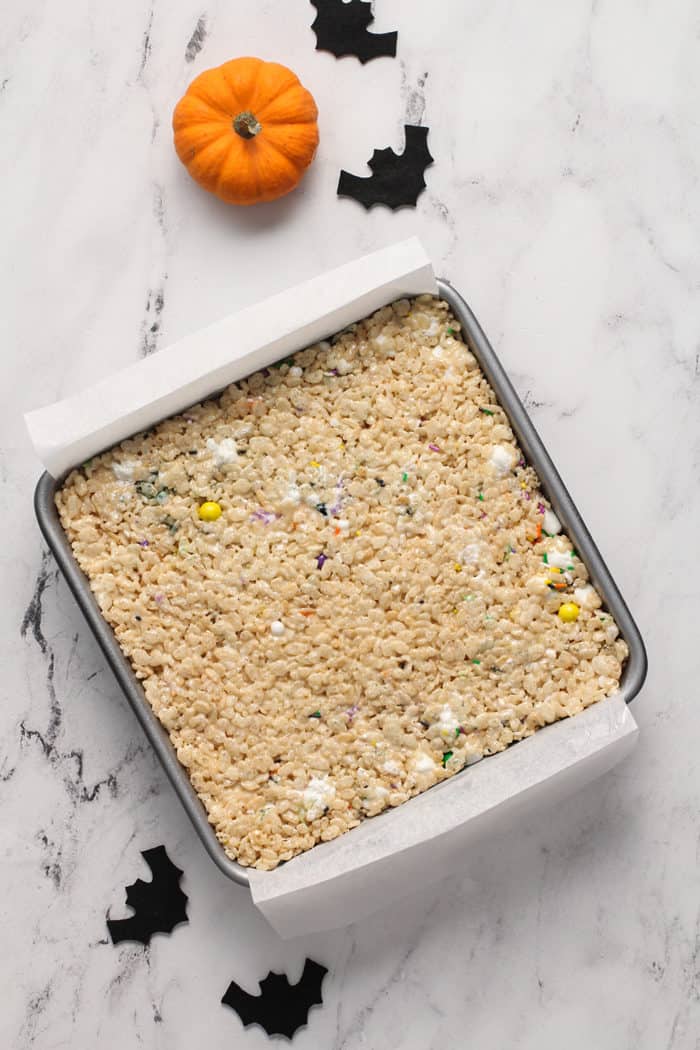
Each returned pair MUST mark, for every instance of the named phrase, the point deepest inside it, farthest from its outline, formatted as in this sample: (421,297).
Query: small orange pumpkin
(246,130)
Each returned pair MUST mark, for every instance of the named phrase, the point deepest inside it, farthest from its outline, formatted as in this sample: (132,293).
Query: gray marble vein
(564,203)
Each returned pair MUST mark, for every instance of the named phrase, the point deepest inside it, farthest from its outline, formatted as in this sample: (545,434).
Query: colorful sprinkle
(458,567)
(446,758)
(315,714)
(404,476)
(450,331)
(322,509)
(313,463)
(434,448)
(265,516)
(541,508)
(486,411)
(477,662)
(481,497)
(321,560)
(143,543)
(556,586)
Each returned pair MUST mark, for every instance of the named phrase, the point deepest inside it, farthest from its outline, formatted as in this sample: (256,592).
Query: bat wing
(341,28)
(159,905)
(397,179)
(280,1008)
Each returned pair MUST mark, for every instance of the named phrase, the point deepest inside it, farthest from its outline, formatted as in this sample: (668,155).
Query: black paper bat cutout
(159,906)
(396,179)
(342,29)
(281,1008)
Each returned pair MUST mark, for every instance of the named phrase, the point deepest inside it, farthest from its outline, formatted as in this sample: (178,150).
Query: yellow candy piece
(209,511)
(568,612)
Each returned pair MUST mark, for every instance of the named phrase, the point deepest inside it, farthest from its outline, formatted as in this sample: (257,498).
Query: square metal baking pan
(633,675)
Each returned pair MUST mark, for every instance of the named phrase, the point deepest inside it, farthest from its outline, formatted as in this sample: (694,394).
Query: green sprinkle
(486,411)
(316,714)
(575,553)
(450,331)
(404,476)
(476,661)
(446,758)
(458,730)
(481,496)
(545,559)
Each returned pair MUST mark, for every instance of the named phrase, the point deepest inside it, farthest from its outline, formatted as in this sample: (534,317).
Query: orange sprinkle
(338,531)
(306,612)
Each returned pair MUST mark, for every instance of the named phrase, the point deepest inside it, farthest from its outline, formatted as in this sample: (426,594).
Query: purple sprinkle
(321,560)
(143,543)
(521,462)
(528,495)
(483,514)
(159,599)
(266,516)
(338,505)
(541,508)
(433,448)
(352,711)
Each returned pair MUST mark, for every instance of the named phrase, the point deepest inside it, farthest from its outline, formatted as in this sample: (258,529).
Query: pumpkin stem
(246,125)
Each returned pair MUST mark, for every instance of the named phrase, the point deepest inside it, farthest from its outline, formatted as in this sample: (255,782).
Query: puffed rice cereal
(368,602)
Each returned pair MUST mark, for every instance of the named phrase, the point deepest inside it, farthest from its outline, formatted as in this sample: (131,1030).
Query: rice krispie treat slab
(339,583)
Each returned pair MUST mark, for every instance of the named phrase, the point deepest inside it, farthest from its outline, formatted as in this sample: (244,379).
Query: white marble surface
(563,202)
